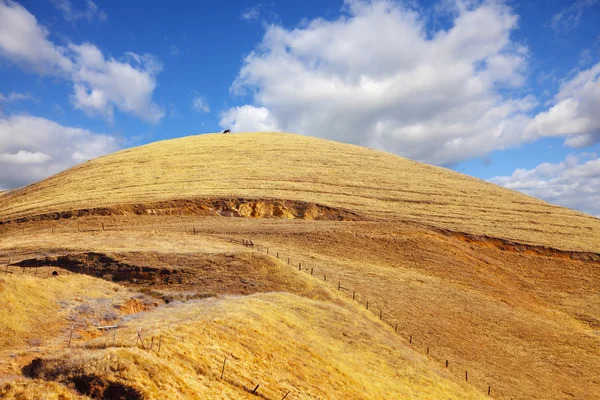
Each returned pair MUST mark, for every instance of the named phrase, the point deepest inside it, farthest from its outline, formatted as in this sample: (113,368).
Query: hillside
(331,270)
(282,166)
(281,342)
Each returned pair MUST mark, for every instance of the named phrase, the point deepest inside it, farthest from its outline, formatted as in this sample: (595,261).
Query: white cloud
(14,96)
(249,119)
(90,13)
(100,84)
(375,77)
(33,148)
(199,104)
(569,17)
(573,183)
(575,112)
(24,157)
(25,42)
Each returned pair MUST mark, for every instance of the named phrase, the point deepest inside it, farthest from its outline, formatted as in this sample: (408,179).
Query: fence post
(299,266)
(324,278)
(428,351)
(353,295)
(467,376)
(367,305)
(223,369)
(311,271)
(339,285)
(410,339)
(70,336)
(396,328)
(489,390)
(139,334)
(288,261)
(380,314)
(446,363)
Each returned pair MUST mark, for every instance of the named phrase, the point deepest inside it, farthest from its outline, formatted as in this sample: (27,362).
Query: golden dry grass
(524,322)
(37,313)
(278,341)
(37,307)
(293,167)
(37,389)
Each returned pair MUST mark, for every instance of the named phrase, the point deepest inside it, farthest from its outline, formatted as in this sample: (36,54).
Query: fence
(46,272)
(287,259)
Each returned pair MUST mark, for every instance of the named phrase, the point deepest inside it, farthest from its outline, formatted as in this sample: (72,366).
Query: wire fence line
(368,304)
(50,271)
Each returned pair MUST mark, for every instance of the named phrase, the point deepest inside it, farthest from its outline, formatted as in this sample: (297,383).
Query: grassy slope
(280,341)
(39,309)
(527,324)
(285,166)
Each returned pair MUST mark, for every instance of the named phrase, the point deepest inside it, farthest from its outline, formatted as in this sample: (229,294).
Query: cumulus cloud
(375,77)
(573,183)
(91,11)
(249,119)
(575,111)
(100,84)
(199,104)
(33,148)
(25,42)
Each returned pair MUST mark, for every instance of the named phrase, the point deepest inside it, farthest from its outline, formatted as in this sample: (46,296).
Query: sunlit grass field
(293,167)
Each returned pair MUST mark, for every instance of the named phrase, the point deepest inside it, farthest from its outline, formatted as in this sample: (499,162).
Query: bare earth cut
(274,265)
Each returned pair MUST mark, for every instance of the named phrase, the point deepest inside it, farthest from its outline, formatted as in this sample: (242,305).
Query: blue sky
(505,91)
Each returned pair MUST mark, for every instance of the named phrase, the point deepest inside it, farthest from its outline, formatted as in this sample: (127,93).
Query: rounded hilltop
(288,167)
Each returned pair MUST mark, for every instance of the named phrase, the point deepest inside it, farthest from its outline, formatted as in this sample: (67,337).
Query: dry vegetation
(38,309)
(278,341)
(292,167)
(521,318)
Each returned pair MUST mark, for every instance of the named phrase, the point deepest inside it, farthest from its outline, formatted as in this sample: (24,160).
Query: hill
(260,166)
(435,266)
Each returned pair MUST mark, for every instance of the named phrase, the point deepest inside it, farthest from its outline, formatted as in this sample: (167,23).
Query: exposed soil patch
(90,385)
(98,388)
(514,247)
(232,207)
(107,267)
(183,276)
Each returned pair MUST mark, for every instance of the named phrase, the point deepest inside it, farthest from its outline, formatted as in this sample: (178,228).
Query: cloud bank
(100,84)
(377,77)
(33,148)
